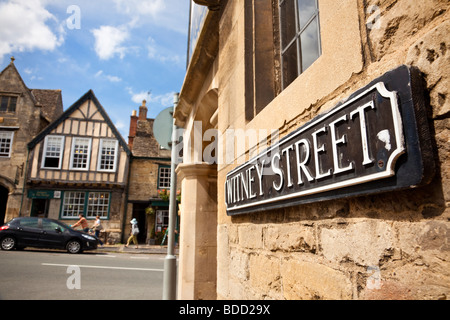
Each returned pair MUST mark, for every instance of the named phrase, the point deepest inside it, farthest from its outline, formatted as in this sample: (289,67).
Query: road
(33,274)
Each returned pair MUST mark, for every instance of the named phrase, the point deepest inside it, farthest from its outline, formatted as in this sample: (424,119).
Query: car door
(52,235)
(28,232)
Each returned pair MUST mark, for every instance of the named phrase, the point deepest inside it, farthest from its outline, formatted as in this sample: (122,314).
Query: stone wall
(27,120)
(386,246)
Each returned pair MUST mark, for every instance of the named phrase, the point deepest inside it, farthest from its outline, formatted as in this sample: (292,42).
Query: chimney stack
(143,111)
(133,128)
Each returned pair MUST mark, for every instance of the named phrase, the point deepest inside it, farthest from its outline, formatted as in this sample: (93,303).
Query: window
(107,155)
(53,151)
(73,204)
(49,225)
(98,204)
(300,37)
(81,152)
(164,177)
(162,220)
(90,204)
(8,104)
(262,58)
(6,139)
(29,223)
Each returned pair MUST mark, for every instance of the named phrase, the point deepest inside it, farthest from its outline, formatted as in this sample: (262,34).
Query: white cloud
(165,100)
(108,77)
(113,78)
(141,7)
(24,27)
(120,124)
(109,40)
(138,97)
(167,14)
(161,54)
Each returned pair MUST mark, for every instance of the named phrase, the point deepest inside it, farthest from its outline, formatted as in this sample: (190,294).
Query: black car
(24,232)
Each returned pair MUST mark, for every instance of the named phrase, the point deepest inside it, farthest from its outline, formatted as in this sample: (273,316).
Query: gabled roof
(50,101)
(8,85)
(66,114)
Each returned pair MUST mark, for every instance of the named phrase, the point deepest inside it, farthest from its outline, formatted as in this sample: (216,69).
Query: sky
(124,50)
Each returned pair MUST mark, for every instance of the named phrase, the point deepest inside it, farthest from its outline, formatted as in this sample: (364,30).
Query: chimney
(143,111)
(133,128)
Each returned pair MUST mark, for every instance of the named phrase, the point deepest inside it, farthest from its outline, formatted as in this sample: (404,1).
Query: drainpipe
(127,191)
(24,181)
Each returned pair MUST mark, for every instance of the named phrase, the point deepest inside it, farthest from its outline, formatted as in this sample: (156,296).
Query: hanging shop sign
(375,141)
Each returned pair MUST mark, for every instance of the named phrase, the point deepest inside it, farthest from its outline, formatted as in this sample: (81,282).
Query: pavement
(142,248)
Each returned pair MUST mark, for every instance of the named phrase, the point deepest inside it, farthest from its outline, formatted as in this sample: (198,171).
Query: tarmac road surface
(49,275)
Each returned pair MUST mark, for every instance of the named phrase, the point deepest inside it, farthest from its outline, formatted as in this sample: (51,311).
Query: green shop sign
(41,194)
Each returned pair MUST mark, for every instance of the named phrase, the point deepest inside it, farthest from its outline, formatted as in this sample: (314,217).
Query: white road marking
(100,267)
(138,257)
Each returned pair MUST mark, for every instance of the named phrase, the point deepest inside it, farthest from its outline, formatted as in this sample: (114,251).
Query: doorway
(39,208)
(139,214)
(3,201)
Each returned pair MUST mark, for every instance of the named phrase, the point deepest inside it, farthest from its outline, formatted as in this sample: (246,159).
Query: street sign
(162,128)
(375,141)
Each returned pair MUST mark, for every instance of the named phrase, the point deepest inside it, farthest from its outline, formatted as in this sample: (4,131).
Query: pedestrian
(134,233)
(82,222)
(97,228)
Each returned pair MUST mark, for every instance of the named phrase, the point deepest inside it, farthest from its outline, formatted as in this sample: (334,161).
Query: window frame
(72,153)
(8,105)
(93,214)
(85,196)
(11,141)
(162,214)
(63,204)
(44,151)
(160,185)
(100,152)
(296,40)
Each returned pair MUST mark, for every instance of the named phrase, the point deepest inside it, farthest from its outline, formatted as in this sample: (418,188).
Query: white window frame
(98,203)
(4,135)
(100,151)
(72,200)
(161,216)
(164,181)
(44,153)
(72,154)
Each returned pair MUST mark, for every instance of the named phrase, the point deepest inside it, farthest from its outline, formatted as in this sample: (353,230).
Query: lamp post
(170,262)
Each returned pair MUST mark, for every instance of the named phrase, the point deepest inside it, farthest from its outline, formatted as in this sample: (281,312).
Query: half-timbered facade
(79,165)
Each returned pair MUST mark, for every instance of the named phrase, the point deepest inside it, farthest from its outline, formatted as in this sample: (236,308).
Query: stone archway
(4,192)
(6,188)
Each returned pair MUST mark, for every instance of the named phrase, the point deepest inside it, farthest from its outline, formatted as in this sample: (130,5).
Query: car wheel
(73,246)
(8,243)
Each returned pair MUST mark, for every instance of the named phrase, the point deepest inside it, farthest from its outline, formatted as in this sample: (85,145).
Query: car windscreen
(63,225)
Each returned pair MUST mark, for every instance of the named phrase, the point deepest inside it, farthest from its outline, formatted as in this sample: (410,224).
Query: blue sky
(121,49)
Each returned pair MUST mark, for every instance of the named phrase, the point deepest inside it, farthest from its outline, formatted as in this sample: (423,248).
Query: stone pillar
(198,232)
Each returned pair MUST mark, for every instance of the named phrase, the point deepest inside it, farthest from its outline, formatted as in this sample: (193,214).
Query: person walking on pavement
(134,233)
(97,228)
(82,222)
